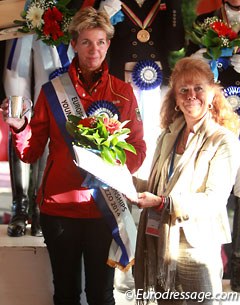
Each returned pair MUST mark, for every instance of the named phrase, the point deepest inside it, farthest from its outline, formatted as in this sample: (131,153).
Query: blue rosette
(103,107)
(147,75)
(232,94)
(58,72)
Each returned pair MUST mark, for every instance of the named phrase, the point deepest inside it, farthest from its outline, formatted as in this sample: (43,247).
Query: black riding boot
(37,175)
(19,174)
(235,259)
(35,226)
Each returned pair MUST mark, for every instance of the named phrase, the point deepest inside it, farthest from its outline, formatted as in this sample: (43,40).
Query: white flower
(34,15)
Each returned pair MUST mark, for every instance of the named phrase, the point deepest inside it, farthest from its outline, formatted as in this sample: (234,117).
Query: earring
(176,108)
(210,106)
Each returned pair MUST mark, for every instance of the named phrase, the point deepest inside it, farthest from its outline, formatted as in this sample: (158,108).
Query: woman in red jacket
(72,223)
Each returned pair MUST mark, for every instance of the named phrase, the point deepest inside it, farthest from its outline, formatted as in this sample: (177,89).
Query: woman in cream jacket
(184,220)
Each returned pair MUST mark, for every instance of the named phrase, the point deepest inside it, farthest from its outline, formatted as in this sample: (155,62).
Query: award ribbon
(143,35)
(147,75)
(232,94)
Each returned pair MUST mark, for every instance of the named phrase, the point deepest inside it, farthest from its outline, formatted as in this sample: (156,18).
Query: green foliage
(175,56)
(189,15)
(102,135)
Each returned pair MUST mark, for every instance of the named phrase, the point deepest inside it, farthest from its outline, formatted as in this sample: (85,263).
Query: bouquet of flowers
(216,36)
(101,134)
(49,19)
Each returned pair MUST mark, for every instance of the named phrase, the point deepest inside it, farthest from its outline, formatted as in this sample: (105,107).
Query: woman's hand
(147,200)
(16,123)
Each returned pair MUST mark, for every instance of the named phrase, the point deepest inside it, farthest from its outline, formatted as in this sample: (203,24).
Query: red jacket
(61,193)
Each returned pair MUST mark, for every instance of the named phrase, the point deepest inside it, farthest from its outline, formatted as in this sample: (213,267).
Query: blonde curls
(90,18)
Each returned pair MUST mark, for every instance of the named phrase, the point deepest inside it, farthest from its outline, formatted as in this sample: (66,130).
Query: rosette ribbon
(232,94)
(103,107)
(147,75)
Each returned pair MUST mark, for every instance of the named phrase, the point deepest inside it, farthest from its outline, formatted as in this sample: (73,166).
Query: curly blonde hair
(90,18)
(191,68)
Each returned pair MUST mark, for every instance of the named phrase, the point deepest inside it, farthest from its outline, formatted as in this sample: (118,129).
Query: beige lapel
(186,164)
(163,150)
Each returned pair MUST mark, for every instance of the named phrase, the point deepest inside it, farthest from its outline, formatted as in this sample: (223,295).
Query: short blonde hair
(90,18)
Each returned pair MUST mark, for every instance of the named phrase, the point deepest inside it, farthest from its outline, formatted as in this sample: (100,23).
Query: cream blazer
(202,180)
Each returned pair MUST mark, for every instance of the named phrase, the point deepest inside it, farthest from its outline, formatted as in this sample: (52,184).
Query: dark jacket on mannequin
(166,34)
